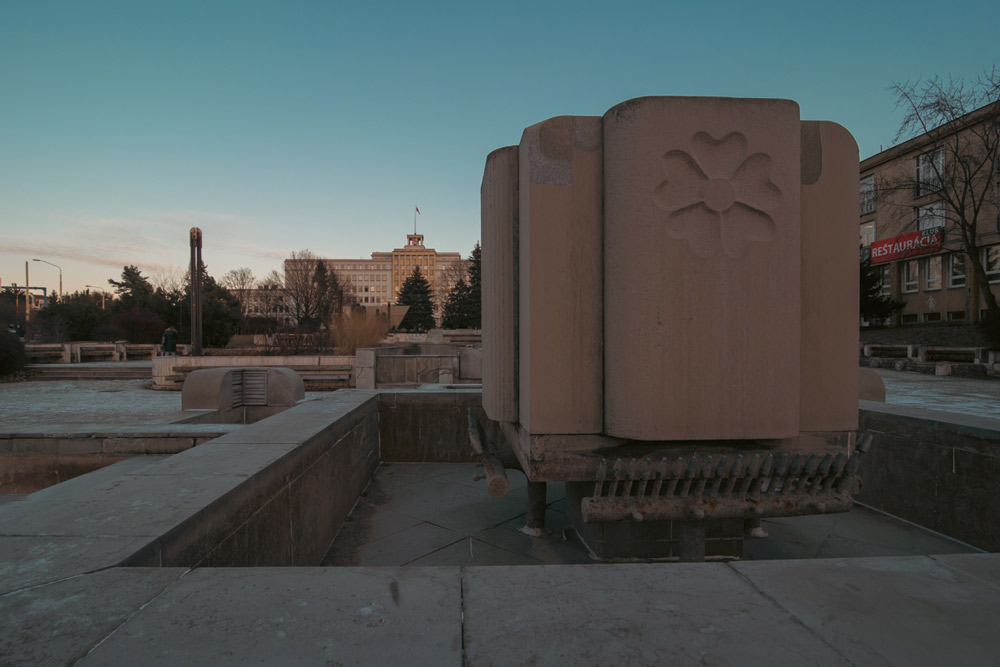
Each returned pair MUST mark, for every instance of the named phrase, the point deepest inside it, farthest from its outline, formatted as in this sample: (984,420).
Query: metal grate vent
(254,387)
(237,389)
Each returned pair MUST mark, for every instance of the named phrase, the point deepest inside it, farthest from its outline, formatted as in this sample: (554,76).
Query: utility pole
(195,292)
(27,297)
(61,295)
(102,293)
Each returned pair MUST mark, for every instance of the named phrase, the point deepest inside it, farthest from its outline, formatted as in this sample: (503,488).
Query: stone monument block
(560,363)
(829,288)
(702,242)
(499,203)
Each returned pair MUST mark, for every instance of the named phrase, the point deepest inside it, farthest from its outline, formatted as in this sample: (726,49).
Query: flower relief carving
(717,195)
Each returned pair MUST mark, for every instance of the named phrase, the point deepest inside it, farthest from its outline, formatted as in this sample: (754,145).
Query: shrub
(359,331)
(107,333)
(240,340)
(12,356)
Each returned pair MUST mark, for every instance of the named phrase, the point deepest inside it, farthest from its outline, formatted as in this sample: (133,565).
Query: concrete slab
(677,614)
(98,477)
(470,551)
(129,506)
(31,561)
(220,458)
(309,418)
(887,611)
(59,623)
(309,616)
(860,532)
(400,474)
(985,567)
(559,546)
(458,507)
(399,548)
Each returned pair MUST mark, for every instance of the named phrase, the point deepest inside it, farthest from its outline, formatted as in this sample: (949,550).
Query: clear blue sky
(280,126)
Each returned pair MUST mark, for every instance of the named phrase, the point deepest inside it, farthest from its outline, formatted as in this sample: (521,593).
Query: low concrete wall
(74,353)
(31,459)
(940,470)
(168,372)
(426,363)
(427,426)
(293,479)
(932,359)
(269,494)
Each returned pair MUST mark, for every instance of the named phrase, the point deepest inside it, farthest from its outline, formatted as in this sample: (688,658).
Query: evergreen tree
(134,290)
(474,306)
(874,305)
(416,293)
(220,312)
(456,313)
(463,309)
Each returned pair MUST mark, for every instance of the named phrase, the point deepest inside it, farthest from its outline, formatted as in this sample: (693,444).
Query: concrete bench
(962,355)
(46,354)
(98,353)
(888,351)
(137,352)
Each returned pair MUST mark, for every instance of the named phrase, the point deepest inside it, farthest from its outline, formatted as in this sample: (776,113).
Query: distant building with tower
(376,282)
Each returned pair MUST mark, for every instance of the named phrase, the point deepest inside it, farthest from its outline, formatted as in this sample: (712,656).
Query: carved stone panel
(702,268)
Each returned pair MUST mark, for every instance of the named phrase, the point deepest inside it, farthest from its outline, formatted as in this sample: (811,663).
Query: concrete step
(68,372)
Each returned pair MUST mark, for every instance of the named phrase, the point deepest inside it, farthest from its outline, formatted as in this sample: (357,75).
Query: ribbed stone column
(499,277)
(829,385)
(559,262)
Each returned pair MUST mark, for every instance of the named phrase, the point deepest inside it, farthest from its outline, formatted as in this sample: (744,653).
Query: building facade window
(885,284)
(868,195)
(991,262)
(956,270)
(867,234)
(932,273)
(930,165)
(911,275)
(930,216)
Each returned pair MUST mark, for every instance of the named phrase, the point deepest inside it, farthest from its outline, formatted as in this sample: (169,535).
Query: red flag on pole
(417,209)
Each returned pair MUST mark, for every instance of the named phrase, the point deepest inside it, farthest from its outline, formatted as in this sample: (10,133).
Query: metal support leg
(691,535)
(535,519)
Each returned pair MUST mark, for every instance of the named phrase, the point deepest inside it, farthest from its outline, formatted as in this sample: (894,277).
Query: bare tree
(313,290)
(958,163)
(169,280)
(241,283)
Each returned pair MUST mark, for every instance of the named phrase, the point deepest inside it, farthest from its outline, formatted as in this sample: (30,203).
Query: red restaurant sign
(907,245)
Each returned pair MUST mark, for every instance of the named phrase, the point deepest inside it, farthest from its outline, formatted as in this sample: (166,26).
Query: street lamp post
(102,294)
(61,295)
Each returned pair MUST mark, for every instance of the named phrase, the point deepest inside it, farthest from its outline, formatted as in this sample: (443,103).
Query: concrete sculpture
(667,285)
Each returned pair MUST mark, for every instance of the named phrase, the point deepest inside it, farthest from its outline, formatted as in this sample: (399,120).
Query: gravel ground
(934,392)
(85,402)
(108,402)
(131,402)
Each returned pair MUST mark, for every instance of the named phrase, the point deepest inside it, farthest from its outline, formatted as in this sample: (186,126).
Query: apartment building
(909,229)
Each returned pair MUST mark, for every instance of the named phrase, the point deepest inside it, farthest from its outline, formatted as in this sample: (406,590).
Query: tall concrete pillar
(830,198)
(560,300)
(499,202)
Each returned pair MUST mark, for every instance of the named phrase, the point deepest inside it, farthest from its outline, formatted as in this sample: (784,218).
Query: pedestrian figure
(168,344)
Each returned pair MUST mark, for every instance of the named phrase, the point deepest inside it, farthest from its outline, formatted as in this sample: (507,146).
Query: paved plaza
(430,570)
